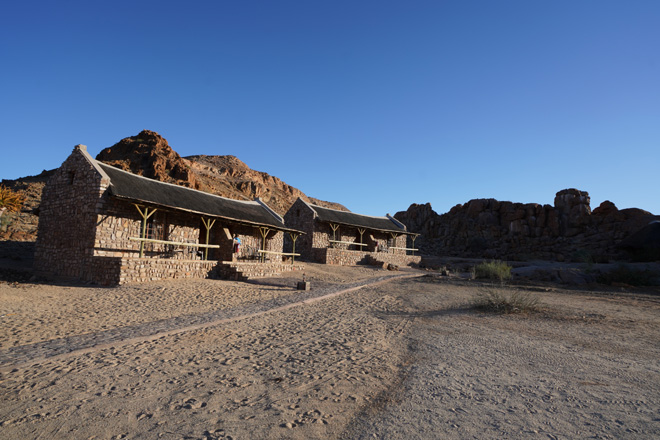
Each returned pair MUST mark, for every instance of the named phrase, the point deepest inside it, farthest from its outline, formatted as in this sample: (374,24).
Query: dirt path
(297,372)
(147,331)
(402,359)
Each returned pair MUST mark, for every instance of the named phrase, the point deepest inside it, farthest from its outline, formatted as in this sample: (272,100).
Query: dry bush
(505,301)
(493,270)
(10,200)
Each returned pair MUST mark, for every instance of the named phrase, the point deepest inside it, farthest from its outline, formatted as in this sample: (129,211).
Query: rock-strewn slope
(22,225)
(149,154)
(489,228)
(229,177)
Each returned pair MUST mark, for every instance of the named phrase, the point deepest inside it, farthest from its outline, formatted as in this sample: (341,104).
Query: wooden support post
(208,225)
(294,237)
(334,228)
(145,216)
(264,233)
(414,237)
(361,231)
(394,237)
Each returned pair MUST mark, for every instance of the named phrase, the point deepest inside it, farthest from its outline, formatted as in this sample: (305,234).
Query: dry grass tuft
(506,301)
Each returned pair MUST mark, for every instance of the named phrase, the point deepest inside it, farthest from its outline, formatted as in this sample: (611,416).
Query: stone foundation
(341,257)
(113,270)
(399,260)
(243,271)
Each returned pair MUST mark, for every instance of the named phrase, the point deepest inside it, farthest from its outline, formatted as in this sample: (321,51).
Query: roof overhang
(204,214)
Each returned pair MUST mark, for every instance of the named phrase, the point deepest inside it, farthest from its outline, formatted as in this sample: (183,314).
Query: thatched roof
(141,189)
(385,224)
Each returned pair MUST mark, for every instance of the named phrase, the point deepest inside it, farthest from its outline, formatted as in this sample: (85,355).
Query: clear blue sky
(373,104)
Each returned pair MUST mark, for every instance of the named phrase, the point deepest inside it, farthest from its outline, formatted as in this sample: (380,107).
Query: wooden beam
(145,216)
(208,224)
(361,231)
(294,237)
(264,233)
(334,228)
(277,253)
(347,242)
(179,243)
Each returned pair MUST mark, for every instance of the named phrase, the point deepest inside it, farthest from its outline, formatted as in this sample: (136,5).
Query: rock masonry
(84,233)
(315,244)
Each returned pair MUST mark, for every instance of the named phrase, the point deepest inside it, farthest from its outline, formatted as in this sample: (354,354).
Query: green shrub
(493,270)
(502,301)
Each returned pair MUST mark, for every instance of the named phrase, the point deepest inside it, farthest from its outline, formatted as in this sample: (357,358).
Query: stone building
(346,238)
(101,224)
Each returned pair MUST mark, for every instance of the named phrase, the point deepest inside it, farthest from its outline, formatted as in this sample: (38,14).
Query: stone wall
(341,257)
(488,228)
(84,233)
(397,259)
(300,217)
(313,244)
(162,260)
(125,270)
(67,217)
(119,220)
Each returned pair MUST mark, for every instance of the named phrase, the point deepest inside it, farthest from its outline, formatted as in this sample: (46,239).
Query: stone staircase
(244,271)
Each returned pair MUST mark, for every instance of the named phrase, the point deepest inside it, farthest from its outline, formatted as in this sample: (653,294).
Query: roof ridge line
(251,202)
(270,210)
(397,222)
(351,212)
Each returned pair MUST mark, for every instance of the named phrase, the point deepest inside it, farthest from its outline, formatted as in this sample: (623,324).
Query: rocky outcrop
(230,177)
(149,154)
(488,228)
(22,225)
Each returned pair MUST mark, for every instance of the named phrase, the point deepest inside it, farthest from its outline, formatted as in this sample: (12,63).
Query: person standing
(237,244)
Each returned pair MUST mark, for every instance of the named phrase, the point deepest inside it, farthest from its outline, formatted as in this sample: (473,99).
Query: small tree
(10,201)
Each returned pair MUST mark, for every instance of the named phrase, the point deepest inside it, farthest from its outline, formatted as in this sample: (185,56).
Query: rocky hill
(488,228)
(149,154)
(229,177)
(22,226)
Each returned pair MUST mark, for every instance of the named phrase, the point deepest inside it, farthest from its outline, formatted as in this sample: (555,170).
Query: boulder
(487,228)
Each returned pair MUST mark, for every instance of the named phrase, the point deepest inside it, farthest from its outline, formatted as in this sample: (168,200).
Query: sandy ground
(377,358)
